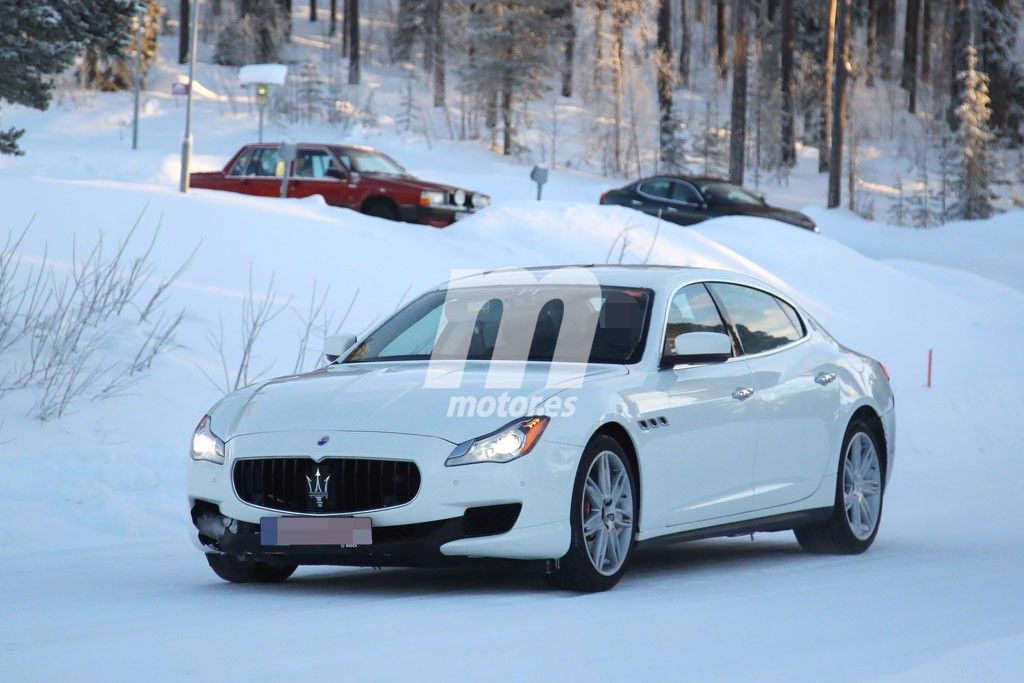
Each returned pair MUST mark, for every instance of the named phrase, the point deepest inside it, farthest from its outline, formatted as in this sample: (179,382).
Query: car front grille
(344,485)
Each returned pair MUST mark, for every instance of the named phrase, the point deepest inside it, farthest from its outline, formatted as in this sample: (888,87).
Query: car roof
(656,277)
(698,179)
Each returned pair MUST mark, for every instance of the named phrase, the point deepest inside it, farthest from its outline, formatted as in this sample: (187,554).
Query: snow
(98,579)
(273,74)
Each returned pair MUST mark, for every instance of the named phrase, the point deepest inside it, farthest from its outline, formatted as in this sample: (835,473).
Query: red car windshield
(365,161)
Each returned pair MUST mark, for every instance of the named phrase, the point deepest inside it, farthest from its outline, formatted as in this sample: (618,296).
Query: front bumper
(429,528)
(436,216)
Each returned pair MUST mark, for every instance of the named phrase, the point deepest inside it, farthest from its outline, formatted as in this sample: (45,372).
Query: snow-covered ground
(99,581)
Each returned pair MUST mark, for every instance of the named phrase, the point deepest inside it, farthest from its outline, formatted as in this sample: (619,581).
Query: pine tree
(977,163)
(512,57)
(41,38)
(1000,22)
(106,64)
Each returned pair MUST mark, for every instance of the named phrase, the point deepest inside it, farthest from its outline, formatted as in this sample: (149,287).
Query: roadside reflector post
(930,357)
(286,150)
(261,77)
(539,175)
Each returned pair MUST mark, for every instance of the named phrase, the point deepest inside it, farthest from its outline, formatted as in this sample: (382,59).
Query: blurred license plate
(347,531)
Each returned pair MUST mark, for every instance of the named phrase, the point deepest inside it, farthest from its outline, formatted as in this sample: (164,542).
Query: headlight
(205,444)
(512,441)
(481,201)
(432,198)
(460,197)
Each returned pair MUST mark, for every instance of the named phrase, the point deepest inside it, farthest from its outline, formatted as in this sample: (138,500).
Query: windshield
(516,322)
(727,193)
(365,161)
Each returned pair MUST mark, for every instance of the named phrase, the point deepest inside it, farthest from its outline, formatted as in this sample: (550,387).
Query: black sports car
(691,200)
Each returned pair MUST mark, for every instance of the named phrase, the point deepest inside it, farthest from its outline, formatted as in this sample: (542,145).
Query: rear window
(761,322)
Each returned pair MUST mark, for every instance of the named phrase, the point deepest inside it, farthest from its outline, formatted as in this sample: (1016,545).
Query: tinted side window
(685,192)
(692,310)
(659,187)
(238,168)
(264,162)
(760,321)
(312,163)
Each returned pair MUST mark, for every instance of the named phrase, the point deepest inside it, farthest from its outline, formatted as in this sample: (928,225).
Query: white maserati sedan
(558,415)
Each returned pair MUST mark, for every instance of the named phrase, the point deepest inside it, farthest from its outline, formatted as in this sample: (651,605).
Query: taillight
(885,370)
(601,200)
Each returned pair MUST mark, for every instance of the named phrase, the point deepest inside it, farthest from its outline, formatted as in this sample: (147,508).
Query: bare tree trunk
(886,22)
(345,24)
(662,63)
(619,30)
(825,132)
(333,25)
(352,24)
(788,48)
(312,10)
(722,36)
(871,59)
(183,25)
(437,19)
(506,121)
(842,73)
(684,45)
(961,34)
(569,52)
(926,40)
(738,125)
(911,28)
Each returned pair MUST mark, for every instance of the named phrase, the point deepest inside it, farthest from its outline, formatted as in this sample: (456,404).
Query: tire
(382,208)
(241,570)
(857,512)
(577,570)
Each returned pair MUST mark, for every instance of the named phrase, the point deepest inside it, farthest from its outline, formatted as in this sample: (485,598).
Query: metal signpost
(261,77)
(138,81)
(539,175)
(186,144)
(286,151)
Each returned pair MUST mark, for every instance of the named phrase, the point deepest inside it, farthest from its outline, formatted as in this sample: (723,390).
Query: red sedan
(359,178)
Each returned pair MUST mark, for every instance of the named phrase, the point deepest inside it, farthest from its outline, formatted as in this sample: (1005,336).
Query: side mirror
(337,345)
(699,347)
(335,173)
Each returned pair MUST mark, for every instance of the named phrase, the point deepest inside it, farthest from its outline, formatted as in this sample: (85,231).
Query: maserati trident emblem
(317,488)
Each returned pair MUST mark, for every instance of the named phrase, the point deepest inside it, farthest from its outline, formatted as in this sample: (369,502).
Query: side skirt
(783,522)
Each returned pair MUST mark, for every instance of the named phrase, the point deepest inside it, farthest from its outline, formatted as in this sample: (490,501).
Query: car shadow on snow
(719,558)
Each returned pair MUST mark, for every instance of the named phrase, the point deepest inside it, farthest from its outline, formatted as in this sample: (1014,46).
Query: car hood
(412,183)
(392,397)
(774,212)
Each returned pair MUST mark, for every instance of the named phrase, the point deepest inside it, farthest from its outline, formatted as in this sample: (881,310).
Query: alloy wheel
(862,486)
(607,513)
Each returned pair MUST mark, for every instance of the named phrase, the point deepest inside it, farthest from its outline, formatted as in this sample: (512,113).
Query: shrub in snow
(84,333)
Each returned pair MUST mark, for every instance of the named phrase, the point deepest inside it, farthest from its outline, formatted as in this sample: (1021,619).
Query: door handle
(742,393)
(635,202)
(824,378)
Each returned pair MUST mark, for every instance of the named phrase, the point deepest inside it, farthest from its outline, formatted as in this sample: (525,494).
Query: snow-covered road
(713,610)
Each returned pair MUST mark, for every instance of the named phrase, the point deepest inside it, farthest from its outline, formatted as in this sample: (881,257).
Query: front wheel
(243,570)
(858,506)
(603,516)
